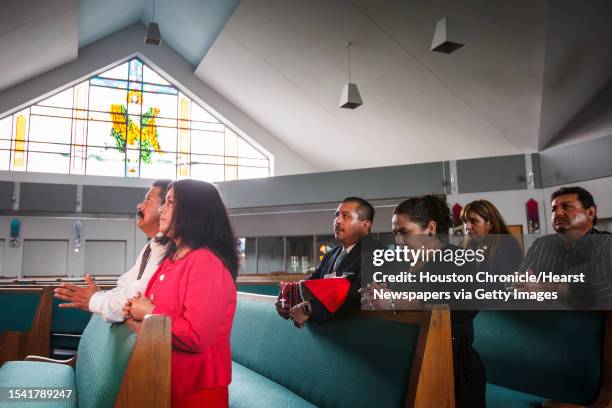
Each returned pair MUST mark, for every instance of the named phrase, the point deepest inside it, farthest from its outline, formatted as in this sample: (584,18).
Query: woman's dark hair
(498,235)
(427,208)
(488,212)
(200,220)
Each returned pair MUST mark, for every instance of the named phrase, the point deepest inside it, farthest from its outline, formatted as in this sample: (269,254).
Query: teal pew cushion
(553,354)
(259,289)
(17,310)
(249,389)
(20,374)
(102,358)
(354,362)
(501,397)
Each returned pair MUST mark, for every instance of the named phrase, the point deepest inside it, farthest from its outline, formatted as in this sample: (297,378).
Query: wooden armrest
(71,361)
(149,366)
(605,398)
(433,384)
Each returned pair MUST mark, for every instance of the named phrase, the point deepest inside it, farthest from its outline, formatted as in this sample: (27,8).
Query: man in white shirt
(109,303)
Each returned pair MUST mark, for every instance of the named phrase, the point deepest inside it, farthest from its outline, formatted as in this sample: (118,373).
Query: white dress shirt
(109,303)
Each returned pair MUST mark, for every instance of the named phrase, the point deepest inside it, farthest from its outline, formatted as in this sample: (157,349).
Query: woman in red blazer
(195,286)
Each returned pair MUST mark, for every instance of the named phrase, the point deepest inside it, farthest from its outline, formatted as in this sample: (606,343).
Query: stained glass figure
(533,216)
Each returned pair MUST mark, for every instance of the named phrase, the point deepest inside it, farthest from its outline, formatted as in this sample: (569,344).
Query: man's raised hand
(77,296)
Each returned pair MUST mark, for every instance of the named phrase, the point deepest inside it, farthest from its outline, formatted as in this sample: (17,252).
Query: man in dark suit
(353,220)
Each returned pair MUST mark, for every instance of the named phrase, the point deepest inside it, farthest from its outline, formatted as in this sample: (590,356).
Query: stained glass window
(127,122)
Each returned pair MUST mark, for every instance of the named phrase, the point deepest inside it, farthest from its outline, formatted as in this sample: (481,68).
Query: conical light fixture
(350,97)
(153,36)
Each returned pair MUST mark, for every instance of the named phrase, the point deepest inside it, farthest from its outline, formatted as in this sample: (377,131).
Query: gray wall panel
(45,257)
(6,195)
(111,200)
(537,171)
(47,197)
(578,162)
(302,222)
(372,183)
(105,257)
(447,177)
(491,174)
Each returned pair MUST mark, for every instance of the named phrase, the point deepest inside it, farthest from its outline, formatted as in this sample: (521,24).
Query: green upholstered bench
(113,366)
(535,356)
(367,359)
(25,320)
(259,289)
(265,284)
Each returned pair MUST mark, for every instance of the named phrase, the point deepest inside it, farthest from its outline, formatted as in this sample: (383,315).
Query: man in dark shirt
(352,221)
(577,247)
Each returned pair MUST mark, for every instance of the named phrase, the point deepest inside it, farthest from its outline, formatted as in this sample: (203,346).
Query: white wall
(511,204)
(47,247)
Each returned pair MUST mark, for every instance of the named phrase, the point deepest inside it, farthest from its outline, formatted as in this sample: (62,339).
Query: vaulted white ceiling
(527,69)
(525,80)
(39,35)
(36,36)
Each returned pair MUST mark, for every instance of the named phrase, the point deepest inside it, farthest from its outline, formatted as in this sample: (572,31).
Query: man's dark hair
(427,208)
(585,198)
(365,210)
(163,188)
(200,220)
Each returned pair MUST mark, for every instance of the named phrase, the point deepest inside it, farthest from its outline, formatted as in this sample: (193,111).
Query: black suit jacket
(351,265)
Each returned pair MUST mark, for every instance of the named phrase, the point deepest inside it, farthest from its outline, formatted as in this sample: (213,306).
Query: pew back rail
(16,344)
(149,367)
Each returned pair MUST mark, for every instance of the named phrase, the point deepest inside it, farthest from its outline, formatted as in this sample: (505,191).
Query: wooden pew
(546,358)
(270,279)
(424,380)
(116,376)
(604,400)
(149,367)
(431,379)
(16,345)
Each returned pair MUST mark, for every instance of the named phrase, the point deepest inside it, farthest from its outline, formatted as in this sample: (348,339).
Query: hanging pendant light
(448,37)
(350,97)
(153,36)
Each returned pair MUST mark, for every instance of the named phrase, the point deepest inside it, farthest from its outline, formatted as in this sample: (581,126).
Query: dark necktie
(145,260)
(339,260)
